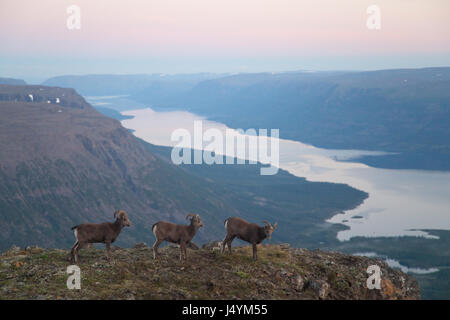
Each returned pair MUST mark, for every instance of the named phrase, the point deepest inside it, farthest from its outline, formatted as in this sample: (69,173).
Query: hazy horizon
(176,36)
(38,80)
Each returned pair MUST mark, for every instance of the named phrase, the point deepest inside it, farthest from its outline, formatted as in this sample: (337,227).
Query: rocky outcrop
(41,94)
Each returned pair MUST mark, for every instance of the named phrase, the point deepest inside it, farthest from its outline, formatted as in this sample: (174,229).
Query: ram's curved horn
(267,222)
(189,215)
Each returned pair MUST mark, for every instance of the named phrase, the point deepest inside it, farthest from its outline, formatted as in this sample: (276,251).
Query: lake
(400,203)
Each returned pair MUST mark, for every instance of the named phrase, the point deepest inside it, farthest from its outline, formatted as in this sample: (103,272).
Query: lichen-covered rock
(300,283)
(213,245)
(14,249)
(321,288)
(140,245)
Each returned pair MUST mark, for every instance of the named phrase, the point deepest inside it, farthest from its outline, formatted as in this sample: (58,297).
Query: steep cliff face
(63,163)
(280,273)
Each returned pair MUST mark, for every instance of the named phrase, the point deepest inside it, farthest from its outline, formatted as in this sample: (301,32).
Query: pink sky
(231,28)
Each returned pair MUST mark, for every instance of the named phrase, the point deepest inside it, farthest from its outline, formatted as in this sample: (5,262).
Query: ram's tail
(226,222)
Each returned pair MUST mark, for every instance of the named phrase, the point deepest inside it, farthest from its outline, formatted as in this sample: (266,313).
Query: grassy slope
(280,273)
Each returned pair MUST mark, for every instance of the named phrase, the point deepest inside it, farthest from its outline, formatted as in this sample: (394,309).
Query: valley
(219,191)
(63,164)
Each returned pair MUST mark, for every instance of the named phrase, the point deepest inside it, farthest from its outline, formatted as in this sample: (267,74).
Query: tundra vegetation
(280,273)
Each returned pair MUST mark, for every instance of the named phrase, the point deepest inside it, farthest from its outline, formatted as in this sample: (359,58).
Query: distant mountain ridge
(403,111)
(12,81)
(160,84)
(406,111)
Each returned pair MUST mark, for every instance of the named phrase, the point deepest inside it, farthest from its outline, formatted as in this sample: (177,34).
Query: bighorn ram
(106,232)
(175,233)
(250,232)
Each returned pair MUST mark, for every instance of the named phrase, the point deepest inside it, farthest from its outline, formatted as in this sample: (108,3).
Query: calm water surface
(401,202)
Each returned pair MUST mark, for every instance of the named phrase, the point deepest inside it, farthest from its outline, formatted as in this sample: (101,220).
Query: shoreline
(318,165)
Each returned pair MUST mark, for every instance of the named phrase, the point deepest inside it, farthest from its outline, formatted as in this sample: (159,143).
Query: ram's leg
(227,240)
(72,252)
(108,250)
(223,245)
(155,248)
(182,250)
(76,253)
(255,253)
(229,243)
(80,246)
